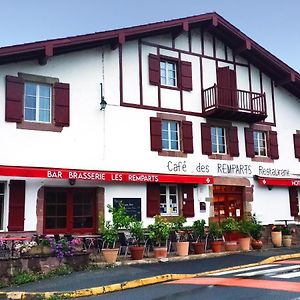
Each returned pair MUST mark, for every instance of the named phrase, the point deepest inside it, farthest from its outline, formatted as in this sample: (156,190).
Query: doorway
(228,202)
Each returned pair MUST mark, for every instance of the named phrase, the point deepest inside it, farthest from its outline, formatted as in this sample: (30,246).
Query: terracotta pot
(36,250)
(199,247)
(182,248)
(110,255)
(136,252)
(276,238)
(244,243)
(231,246)
(256,244)
(287,240)
(216,246)
(160,252)
(232,236)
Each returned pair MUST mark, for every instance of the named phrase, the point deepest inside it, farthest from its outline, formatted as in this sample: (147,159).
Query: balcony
(237,105)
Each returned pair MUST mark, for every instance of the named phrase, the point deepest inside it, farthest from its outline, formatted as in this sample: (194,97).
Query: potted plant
(231,233)
(276,236)
(159,233)
(109,235)
(182,243)
(199,233)
(286,237)
(256,233)
(245,229)
(216,232)
(137,233)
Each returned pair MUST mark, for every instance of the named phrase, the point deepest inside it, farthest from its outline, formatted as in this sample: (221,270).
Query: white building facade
(200,121)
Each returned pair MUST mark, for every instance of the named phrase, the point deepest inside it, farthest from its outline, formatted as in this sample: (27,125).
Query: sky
(274,24)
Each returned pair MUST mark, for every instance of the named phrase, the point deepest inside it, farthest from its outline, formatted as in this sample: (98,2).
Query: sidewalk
(132,270)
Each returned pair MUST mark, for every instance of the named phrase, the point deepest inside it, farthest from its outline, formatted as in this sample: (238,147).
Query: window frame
(224,136)
(169,133)
(168,63)
(37,102)
(168,200)
(258,147)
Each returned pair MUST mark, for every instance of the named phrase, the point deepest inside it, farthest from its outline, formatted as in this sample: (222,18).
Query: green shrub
(229,225)
(215,230)
(199,229)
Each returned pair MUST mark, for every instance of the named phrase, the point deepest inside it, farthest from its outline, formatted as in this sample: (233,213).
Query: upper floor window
(168,73)
(38,100)
(170,135)
(218,140)
(260,143)
(168,200)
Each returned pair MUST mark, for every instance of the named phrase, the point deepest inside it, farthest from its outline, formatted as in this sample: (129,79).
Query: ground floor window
(1,205)
(169,200)
(70,210)
(228,202)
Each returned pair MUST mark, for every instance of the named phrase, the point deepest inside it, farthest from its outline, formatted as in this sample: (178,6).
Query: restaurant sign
(267,181)
(105,176)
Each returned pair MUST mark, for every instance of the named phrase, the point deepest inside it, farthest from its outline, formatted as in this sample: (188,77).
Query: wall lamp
(270,187)
(103,103)
(72,181)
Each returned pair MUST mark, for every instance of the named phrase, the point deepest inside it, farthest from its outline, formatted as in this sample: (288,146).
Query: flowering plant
(61,248)
(76,242)
(25,247)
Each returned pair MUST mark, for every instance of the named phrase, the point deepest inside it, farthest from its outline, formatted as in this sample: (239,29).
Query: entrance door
(69,210)
(228,202)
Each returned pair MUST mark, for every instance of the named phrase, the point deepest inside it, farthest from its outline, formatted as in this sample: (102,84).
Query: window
(38,102)
(168,73)
(218,140)
(69,210)
(260,143)
(170,135)
(1,205)
(168,200)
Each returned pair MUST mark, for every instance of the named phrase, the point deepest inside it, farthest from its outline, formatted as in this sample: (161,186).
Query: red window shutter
(16,205)
(249,140)
(206,138)
(62,104)
(294,201)
(187,137)
(224,86)
(297,145)
(233,141)
(273,145)
(186,75)
(154,69)
(233,87)
(153,199)
(155,133)
(14,99)
(188,201)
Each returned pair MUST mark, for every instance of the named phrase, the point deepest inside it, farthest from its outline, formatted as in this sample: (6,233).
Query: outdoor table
(13,240)
(285,221)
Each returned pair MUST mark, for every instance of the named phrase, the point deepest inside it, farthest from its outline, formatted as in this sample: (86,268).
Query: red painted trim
(181,92)
(201,83)
(202,41)
(121,73)
(249,75)
(269,181)
(104,176)
(273,102)
(140,72)
(214,46)
(158,87)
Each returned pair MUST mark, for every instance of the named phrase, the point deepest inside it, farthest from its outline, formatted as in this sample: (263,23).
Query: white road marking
(273,270)
(242,270)
(287,275)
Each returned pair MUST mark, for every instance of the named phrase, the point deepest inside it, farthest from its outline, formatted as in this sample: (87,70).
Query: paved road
(80,280)
(280,280)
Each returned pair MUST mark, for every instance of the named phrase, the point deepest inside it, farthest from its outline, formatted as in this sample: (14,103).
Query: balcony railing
(234,104)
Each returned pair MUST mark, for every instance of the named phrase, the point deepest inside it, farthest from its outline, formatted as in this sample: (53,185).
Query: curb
(134,283)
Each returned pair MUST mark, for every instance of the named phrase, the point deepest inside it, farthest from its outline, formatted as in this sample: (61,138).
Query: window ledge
(262,159)
(172,153)
(220,156)
(39,126)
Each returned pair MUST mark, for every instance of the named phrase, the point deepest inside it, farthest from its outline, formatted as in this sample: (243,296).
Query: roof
(280,72)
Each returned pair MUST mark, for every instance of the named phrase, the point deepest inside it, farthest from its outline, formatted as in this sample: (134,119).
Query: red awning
(269,181)
(105,176)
